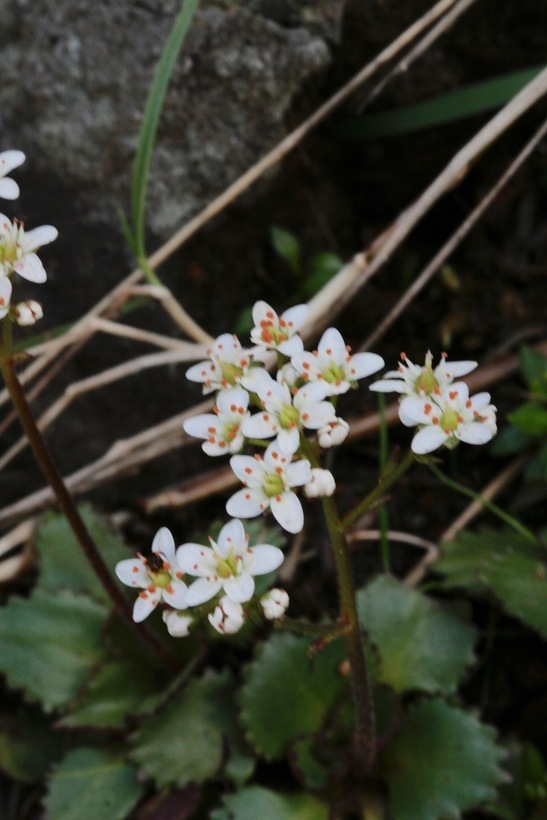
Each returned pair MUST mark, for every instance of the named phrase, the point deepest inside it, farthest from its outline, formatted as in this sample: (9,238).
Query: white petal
(296,316)
(288,512)
(299,473)
(202,590)
(226,399)
(40,236)
(458,369)
(144,605)
(177,624)
(198,426)
(261,425)
(289,439)
(291,347)
(265,558)
(388,386)
(195,559)
(176,598)
(247,468)
(9,189)
(480,401)
(246,504)
(412,411)
(428,439)
(239,588)
(201,372)
(318,415)
(133,573)
(305,363)
(364,364)
(9,160)
(332,345)
(30,267)
(232,536)
(164,544)
(474,433)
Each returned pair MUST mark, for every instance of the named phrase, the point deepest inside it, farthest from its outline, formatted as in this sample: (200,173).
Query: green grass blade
(464,102)
(152,111)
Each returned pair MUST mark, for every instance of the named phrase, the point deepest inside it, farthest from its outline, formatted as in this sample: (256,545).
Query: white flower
(333,364)
(222,432)
(285,415)
(333,433)
(415,380)
(289,376)
(17,249)
(8,161)
(229,365)
(228,565)
(157,576)
(449,416)
(28,313)
(278,332)
(268,482)
(274,603)
(178,624)
(5,295)
(322,484)
(228,617)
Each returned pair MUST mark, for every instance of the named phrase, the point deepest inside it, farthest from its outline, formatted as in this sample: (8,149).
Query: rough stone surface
(75,78)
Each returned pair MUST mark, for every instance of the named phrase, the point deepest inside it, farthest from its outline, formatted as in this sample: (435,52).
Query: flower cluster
(254,410)
(441,408)
(17,248)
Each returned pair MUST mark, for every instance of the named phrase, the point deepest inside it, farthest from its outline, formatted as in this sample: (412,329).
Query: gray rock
(75,76)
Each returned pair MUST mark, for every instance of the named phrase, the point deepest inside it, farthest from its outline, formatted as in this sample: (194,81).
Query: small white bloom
(17,249)
(333,433)
(333,364)
(416,380)
(8,161)
(268,483)
(178,624)
(228,565)
(28,313)
(229,366)
(223,431)
(157,576)
(228,617)
(322,484)
(274,603)
(5,295)
(447,417)
(285,415)
(275,332)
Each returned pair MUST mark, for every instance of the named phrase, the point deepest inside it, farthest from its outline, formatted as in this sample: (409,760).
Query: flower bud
(322,484)
(28,313)
(333,433)
(178,625)
(228,616)
(274,603)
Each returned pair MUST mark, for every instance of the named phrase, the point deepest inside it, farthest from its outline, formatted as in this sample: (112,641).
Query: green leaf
(323,268)
(117,690)
(62,562)
(500,562)
(442,763)
(509,442)
(287,246)
(92,783)
(454,105)
(254,802)
(50,643)
(285,694)
(152,111)
(28,744)
(421,644)
(185,742)
(531,418)
(534,368)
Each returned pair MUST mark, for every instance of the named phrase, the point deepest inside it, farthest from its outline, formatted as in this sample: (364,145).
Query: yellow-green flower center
(8,253)
(230,372)
(273,485)
(230,430)
(289,416)
(334,373)
(426,381)
(226,567)
(449,420)
(161,578)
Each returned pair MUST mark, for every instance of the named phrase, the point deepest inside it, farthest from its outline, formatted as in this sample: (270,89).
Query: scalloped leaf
(441,763)
(255,801)
(28,744)
(421,644)
(503,563)
(117,690)
(93,783)
(285,694)
(50,643)
(185,742)
(62,562)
